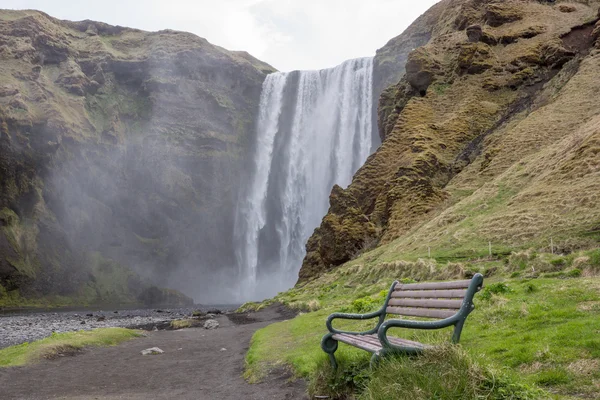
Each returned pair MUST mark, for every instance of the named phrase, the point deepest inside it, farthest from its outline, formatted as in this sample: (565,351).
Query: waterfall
(314,130)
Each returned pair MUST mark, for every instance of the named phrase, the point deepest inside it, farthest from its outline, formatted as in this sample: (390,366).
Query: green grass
(63,343)
(444,373)
(533,331)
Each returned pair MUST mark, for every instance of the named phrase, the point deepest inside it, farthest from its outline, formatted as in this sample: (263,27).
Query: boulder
(152,351)
(211,324)
(420,70)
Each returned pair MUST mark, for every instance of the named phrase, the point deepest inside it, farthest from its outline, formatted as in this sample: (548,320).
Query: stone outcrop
(120,153)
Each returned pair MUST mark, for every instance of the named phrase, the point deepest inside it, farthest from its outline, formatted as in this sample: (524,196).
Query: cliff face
(492,135)
(118,149)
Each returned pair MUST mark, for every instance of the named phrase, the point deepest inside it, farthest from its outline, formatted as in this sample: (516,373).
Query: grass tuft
(62,344)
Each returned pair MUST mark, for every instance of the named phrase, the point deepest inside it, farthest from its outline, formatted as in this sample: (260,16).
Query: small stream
(27,325)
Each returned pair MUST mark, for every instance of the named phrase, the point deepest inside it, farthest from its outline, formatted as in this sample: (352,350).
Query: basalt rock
(421,69)
(474,33)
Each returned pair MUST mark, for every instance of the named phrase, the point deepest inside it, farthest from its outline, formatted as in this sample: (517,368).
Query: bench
(444,304)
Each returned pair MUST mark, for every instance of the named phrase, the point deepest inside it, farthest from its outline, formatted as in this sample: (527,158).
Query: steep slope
(491,136)
(118,147)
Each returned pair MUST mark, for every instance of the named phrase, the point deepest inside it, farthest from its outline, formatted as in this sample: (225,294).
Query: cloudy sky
(288,34)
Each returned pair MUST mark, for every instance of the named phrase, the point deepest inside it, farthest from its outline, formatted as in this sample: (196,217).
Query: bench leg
(333,361)
(329,346)
(374,360)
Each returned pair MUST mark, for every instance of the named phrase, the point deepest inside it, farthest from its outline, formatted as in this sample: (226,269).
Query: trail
(193,366)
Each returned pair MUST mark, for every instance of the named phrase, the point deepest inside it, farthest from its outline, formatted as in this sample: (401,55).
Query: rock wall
(473,107)
(120,151)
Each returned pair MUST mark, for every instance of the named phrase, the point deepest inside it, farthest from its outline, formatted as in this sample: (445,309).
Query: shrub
(594,258)
(530,288)
(494,288)
(366,304)
(574,273)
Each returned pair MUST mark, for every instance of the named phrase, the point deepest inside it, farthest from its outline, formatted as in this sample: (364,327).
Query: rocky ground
(194,364)
(16,328)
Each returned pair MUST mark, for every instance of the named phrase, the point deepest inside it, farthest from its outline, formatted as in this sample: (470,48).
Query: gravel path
(16,328)
(196,364)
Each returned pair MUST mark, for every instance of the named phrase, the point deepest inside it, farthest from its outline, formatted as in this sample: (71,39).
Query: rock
(155,329)
(211,324)
(223,349)
(214,311)
(100,319)
(91,30)
(152,351)
(596,34)
(420,70)
(566,8)
(499,14)
(82,322)
(211,316)
(474,58)
(474,33)
(115,312)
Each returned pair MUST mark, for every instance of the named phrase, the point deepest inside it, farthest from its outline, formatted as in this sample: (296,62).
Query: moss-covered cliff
(492,135)
(118,149)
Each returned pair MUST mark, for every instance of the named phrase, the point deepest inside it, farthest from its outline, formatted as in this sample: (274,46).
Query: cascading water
(314,130)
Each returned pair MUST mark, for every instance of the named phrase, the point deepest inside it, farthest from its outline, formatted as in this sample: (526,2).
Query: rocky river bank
(21,327)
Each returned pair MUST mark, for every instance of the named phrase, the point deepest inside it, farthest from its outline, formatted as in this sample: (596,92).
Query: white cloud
(289,34)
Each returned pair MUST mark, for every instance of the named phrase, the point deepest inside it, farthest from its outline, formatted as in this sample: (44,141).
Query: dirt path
(192,367)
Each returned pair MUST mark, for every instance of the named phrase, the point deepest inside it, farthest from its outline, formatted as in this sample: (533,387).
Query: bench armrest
(379,313)
(411,324)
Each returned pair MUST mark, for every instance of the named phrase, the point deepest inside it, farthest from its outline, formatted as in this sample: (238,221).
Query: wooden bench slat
(429,303)
(355,340)
(431,294)
(420,312)
(393,340)
(434,285)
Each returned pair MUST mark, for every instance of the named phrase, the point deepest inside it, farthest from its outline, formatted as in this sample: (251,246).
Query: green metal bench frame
(329,344)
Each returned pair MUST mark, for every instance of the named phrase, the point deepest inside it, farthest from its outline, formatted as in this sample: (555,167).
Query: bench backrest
(433,300)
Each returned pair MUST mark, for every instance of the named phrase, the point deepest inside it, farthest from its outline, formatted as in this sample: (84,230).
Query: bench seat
(372,344)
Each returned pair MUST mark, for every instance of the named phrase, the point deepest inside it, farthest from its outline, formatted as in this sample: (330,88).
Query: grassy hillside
(489,137)
(534,333)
